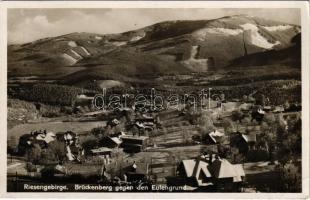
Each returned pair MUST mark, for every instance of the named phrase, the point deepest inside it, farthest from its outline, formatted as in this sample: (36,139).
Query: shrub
(205,122)
(66,110)
(23,145)
(51,114)
(31,167)
(48,172)
(58,148)
(237,116)
(290,176)
(229,126)
(48,157)
(100,131)
(89,142)
(269,118)
(34,154)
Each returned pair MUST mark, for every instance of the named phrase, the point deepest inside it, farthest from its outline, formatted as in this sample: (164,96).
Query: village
(235,145)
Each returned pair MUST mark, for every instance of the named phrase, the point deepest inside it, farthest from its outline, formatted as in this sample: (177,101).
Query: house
(136,172)
(258,114)
(261,111)
(210,170)
(249,139)
(103,152)
(74,152)
(118,134)
(226,176)
(72,147)
(68,137)
(267,108)
(137,128)
(244,142)
(222,169)
(111,142)
(139,125)
(134,143)
(146,122)
(47,137)
(69,153)
(195,172)
(214,137)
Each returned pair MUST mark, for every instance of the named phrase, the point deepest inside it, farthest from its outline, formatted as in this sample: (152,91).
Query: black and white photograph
(144,100)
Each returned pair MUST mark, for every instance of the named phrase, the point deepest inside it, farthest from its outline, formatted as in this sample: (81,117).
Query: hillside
(290,56)
(172,47)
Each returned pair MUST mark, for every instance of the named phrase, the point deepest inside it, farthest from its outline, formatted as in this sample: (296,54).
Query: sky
(26,25)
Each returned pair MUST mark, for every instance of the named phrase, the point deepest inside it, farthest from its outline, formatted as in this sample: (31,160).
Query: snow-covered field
(85,50)
(72,44)
(193,61)
(278,28)
(69,59)
(138,37)
(98,37)
(256,38)
(119,43)
(201,34)
(76,54)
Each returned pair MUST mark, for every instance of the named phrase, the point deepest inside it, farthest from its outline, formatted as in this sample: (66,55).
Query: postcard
(148,99)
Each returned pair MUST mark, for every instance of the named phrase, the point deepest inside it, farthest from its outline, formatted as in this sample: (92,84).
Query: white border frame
(302,5)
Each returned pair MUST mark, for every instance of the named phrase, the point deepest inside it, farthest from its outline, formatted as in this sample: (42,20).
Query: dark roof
(249,138)
(222,168)
(133,145)
(101,149)
(116,140)
(134,137)
(193,167)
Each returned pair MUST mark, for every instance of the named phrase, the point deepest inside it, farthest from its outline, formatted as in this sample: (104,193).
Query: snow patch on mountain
(72,44)
(194,52)
(193,62)
(76,54)
(201,34)
(278,28)
(69,59)
(138,37)
(86,51)
(59,39)
(119,43)
(98,37)
(256,38)
(225,31)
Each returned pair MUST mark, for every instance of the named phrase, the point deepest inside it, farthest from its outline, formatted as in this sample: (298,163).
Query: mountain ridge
(180,46)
